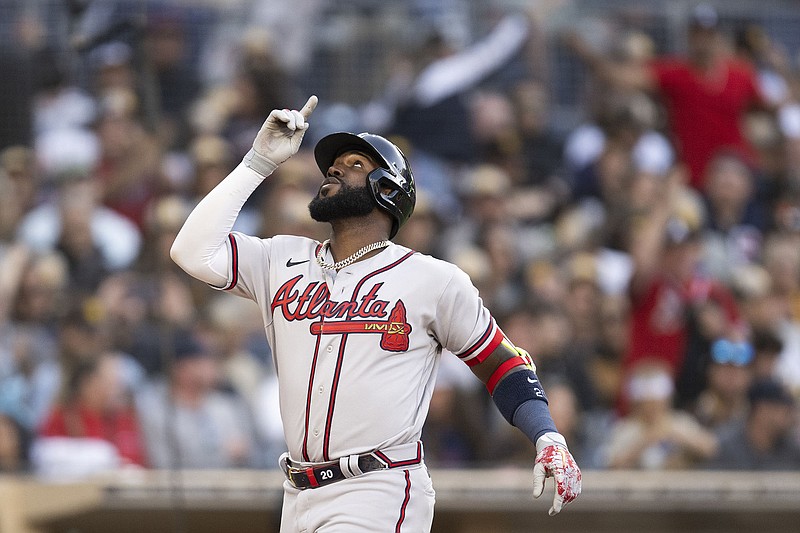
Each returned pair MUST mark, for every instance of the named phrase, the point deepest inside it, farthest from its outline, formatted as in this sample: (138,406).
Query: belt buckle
(291,471)
(295,470)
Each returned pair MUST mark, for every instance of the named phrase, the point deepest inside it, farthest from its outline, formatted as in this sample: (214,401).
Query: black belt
(323,474)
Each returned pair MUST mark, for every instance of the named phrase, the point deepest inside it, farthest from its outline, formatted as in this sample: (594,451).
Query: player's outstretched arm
(199,247)
(510,377)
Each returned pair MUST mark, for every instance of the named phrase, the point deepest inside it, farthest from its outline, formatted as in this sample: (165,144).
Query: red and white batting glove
(554,460)
(279,137)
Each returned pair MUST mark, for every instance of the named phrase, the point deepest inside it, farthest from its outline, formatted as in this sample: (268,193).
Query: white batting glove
(279,137)
(554,460)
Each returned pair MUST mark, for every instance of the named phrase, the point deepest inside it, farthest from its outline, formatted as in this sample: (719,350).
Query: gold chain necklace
(349,260)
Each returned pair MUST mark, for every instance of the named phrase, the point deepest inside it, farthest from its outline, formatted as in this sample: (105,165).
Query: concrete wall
(468,501)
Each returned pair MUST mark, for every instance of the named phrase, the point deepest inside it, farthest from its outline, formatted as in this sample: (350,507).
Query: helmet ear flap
(378,181)
(392,197)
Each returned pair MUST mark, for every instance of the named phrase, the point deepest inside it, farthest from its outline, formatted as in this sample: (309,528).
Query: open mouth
(328,185)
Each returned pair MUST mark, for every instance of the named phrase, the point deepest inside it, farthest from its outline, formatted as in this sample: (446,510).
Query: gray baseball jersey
(357,351)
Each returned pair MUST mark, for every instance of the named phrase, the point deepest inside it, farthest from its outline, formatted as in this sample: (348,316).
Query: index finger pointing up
(309,107)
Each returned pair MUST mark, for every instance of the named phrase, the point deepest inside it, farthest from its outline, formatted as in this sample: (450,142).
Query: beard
(348,202)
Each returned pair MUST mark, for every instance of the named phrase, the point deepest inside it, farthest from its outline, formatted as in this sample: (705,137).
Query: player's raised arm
(200,248)
(510,377)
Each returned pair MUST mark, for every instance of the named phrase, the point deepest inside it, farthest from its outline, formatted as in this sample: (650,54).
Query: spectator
(112,68)
(127,171)
(654,436)
(486,193)
(432,110)
(453,434)
(582,304)
(163,218)
(540,146)
(765,440)
(545,331)
(87,266)
(19,187)
(676,309)
(59,102)
(138,310)
(212,159)
(605,364)
(18,50)
(604,191)
(769,59)
(233,325)
(736,219)
(96,229)
(14,441)
(605,371)
(97,405)
(31,296)
(767,310)
(168,49)
(704,115)
(724,400)
(767,346)
(625,130)
(187,422)
(781,260)
(260,84)
(15,428)
(422,231)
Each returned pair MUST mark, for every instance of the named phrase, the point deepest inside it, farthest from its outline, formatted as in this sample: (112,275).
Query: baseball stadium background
(536,176)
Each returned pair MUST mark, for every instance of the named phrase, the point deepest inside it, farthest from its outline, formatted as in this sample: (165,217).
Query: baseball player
(357,326)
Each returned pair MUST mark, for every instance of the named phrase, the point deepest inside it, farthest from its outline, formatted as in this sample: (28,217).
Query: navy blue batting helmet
(391,184)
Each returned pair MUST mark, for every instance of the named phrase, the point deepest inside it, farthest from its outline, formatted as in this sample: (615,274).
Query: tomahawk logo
(365,315)
(394,331)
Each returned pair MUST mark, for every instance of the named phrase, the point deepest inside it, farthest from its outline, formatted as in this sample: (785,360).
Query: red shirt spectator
(96,406)
(705,109)
(675,306)
(706,93)
(120,428)
(659,316)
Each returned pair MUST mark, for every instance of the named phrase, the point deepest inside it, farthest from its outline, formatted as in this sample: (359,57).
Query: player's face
(344,192)
(349,168)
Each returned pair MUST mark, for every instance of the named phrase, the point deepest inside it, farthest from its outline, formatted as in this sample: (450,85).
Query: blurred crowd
(648,256)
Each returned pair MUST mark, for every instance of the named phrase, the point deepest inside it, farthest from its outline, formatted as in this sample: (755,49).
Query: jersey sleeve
(248,266)
(462,324)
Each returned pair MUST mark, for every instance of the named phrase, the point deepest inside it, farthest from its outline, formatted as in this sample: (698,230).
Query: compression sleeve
(200,247)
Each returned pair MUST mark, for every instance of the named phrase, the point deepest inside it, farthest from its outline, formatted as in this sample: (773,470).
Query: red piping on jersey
(480,341)
(406,499)
(308,399)
(497,338)
(501,371)
(334,388)
(486,352)
(408,462)
(234,263)
(376,272)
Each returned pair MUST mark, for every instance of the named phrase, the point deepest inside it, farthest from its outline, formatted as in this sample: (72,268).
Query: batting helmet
(393,172)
